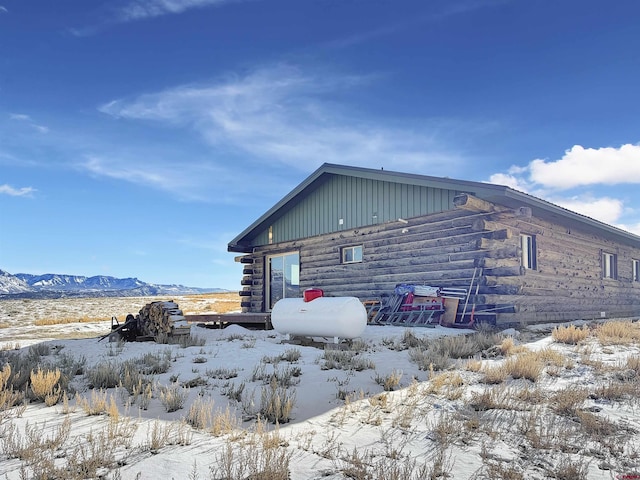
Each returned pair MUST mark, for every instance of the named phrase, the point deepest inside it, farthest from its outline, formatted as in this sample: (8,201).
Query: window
(528,244)
(352,254)
(609,265)
(636,270)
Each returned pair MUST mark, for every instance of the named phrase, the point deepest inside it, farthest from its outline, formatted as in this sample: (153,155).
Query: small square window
(528,245)
(609,265)
(352,254)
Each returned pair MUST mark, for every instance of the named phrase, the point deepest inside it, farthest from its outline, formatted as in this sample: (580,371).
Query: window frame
(635,270)
(529,251)
(609,265)
(353,249)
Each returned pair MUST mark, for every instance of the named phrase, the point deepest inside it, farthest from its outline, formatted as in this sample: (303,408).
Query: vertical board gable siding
(359,202)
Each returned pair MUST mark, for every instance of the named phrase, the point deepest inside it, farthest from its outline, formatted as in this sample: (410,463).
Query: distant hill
(53,285)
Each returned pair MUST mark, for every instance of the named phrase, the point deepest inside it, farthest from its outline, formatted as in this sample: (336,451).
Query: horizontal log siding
(445,248)
(567,283)
(438,249)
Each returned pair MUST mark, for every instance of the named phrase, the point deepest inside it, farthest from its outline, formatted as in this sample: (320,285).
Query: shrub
(234,392)
(222,373)
(8,397)
(104,375)
(276,403)
(43,385)
(21,367)
(154,363)
(200,413)
(38,350)
(389,382)
(291,355)
(195,382)
(97,404)
(571,334)
(409,340)
(223,422)
(345,360)
(263,463)
(429,359)
(173,397)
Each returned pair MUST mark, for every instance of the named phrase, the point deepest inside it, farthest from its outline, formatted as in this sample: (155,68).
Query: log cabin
(360,232)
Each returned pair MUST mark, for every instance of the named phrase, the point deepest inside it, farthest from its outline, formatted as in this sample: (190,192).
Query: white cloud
(589,166)
(280,113)
(509,181)
(605,209)
(16,192)
(578,168)
(633,228)
(140,9)
(3,9)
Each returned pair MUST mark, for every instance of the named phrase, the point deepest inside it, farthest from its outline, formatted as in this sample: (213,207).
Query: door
(283,277)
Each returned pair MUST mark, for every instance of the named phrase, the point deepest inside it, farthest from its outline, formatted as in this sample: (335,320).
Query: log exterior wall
(444,249)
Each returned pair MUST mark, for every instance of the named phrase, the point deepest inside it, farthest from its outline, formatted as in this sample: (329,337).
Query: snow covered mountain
(51,285)
(10,284)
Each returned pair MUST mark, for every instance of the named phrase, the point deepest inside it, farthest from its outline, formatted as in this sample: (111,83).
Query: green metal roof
(498,194)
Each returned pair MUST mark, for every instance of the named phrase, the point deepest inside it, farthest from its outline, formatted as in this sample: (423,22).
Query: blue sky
(138,137)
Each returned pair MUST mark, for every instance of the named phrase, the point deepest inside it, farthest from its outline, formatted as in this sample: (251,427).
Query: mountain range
(53,285)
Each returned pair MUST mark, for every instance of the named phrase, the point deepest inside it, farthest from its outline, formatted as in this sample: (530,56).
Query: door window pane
(284,277)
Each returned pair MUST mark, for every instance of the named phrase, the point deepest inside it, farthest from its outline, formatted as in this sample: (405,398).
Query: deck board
(221,320)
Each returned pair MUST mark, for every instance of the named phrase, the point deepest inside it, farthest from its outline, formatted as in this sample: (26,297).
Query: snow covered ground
(392,405)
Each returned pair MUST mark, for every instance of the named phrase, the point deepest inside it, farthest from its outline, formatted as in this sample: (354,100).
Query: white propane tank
(337,317)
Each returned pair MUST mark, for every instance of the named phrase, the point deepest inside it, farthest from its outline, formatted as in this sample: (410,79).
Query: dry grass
(41,322)
(618,333)
(570,335)
(528,365)
(568,400)
(508,347)
(447,384)
(211,303)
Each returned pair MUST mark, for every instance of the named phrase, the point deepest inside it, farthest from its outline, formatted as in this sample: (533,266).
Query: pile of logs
(155,320)
(158,318)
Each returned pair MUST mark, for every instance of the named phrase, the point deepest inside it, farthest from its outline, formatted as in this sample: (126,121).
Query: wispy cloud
(141,9)
(16,192)
(165,177)
(21,117)
(136,10)
(185,180)
(3,9)
(438,12)
(280,113)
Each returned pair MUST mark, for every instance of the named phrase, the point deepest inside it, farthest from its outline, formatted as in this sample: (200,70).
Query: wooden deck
(221,320)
